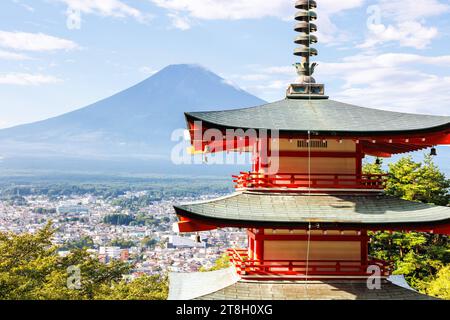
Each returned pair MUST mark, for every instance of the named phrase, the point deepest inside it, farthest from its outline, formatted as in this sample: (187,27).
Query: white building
(111,252)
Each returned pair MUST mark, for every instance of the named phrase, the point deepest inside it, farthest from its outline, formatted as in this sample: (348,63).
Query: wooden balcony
(302,269)
(253,180)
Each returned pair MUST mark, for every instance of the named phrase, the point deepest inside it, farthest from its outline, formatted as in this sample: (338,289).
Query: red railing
(298,268)
(251,180)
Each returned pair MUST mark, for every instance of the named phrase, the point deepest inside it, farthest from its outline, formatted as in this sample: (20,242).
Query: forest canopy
(31,269)
(423,258)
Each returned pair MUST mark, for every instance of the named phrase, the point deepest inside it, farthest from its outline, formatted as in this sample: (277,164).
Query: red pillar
(251,247)
(259,245)
(256,160)
(364,247)
(359,159)
(264,153)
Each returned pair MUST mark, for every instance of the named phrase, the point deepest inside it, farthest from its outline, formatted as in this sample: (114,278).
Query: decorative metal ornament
(306,87)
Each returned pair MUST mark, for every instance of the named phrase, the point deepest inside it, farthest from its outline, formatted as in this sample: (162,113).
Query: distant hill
(136,123)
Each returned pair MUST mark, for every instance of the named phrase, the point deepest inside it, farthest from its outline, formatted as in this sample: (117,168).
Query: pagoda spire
(305,38)
(306,86)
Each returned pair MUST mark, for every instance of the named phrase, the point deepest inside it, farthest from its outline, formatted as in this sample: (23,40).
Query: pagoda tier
(306,203)
(314,290)
(322,116)
(325,211)
(225,284)
(376,132)
(310,236)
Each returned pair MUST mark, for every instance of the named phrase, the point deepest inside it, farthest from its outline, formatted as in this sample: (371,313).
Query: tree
(118,219)
(418,256)
(414,181)
(440,285)
(422,182)
(85,242)
(222,263)
(374,168)
(31,269)
(148,242)
(122,243)
(25,261)
(143,288)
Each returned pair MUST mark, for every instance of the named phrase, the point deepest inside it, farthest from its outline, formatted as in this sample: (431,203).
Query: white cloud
(392,81)
(406,23)
(384,64)
(113,8)
(6,55)
(24,5)
(179,22)
(34,42)
(27,79)
(252,9)
(395,59)
(27,7)
(402,20)
(408,33)
(407,10)
(226,9)
(416,93)
(266,83)
(248,9)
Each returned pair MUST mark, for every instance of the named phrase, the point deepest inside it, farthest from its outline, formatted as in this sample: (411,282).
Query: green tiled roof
(377,209)
(313,290)
(320,116)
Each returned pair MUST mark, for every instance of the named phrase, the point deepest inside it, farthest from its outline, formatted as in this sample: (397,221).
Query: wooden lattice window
(314,144)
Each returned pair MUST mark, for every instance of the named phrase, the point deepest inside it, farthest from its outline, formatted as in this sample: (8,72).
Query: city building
(111,252)
(73,209)
(184,242)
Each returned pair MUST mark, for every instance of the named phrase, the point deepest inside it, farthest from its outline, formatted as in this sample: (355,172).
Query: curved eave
(327,117)
(190,118)
(234,223)
(226,212)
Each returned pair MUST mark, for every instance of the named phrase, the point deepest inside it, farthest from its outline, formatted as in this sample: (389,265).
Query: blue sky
(51,64)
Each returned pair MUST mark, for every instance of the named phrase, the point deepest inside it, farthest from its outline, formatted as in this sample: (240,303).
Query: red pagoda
(306,204)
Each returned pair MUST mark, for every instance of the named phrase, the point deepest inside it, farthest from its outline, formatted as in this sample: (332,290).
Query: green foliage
(419,256)
(439,286)
(222,263)
(142,288)
(44,210)
(31,269)
(148,242)
(136,203)
(85,242)
(418,181)
(14,188)
(118,219)
(143,219)
(122,243)
(414,181)
(140,219)
(374,168)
